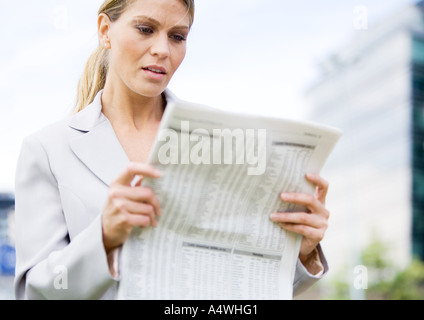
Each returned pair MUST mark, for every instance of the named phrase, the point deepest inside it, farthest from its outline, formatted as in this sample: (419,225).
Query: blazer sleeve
(48,264)
(303,279)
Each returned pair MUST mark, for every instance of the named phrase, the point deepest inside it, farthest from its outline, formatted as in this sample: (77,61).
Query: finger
(137,169)
(310,233)
(303,218)
(321,184)
(138,208)
(142,221)
(137,194)
(306,200)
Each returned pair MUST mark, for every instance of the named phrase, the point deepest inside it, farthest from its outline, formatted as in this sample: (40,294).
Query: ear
(103,28)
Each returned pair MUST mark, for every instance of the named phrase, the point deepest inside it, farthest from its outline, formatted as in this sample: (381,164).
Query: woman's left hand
(312,224)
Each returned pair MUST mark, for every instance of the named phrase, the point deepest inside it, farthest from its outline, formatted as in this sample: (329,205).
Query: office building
(7,250)
(373,89)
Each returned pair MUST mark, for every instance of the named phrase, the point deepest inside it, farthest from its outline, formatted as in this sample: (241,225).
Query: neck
(131,109)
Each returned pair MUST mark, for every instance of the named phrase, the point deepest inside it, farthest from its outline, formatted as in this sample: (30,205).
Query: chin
(149,90)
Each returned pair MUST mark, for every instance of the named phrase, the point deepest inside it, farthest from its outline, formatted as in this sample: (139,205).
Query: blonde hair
(93,78)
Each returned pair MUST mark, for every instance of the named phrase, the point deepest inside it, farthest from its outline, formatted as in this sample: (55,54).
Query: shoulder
(52,133)
(52,140)
(46,150)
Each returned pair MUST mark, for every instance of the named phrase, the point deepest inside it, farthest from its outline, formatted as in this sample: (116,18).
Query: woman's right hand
(129,205)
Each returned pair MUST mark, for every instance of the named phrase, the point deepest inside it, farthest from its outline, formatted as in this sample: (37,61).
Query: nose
(160,46)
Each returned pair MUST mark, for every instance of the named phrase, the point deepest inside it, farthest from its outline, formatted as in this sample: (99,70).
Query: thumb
(137,169)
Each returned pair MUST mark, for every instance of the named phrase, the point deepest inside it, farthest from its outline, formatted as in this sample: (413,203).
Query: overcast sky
(255,56)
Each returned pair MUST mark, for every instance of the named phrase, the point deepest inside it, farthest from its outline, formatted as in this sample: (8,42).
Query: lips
(156,69)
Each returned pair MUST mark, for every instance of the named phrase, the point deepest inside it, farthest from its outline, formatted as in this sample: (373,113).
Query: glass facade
(7,249)
(417,81)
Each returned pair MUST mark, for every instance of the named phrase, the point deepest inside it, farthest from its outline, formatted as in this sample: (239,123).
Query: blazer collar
(90,116)
(99,148)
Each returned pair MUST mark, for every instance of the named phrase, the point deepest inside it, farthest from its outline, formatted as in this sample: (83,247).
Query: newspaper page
(222,176)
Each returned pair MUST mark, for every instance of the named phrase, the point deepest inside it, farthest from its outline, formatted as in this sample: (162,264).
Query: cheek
(178,57)
(127,51)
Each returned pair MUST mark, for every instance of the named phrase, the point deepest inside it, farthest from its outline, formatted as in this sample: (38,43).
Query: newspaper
(222,176)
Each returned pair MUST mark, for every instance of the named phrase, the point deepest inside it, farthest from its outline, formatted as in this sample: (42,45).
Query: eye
(178,37)
(145,29)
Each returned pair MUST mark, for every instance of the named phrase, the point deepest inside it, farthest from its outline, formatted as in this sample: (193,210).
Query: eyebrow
(157,23)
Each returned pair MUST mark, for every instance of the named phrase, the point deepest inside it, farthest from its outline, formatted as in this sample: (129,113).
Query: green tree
(385,280)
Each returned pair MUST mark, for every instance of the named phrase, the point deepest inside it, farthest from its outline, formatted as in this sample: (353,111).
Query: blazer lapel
(98,147)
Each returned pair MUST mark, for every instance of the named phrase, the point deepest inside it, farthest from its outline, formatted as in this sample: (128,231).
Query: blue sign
(7,260)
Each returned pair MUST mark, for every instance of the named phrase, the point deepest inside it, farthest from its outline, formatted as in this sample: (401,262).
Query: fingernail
(310,175)
(285,196)
(273,216)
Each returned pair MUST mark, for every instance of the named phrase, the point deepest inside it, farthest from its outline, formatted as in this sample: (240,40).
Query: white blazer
(62,180)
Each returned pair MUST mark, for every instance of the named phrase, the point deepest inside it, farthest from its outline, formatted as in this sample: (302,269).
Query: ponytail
(93,79)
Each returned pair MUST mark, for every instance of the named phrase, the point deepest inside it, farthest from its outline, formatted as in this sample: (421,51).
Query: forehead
(167,12)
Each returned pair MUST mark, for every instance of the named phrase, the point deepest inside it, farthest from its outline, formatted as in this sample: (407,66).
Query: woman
(76,201)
